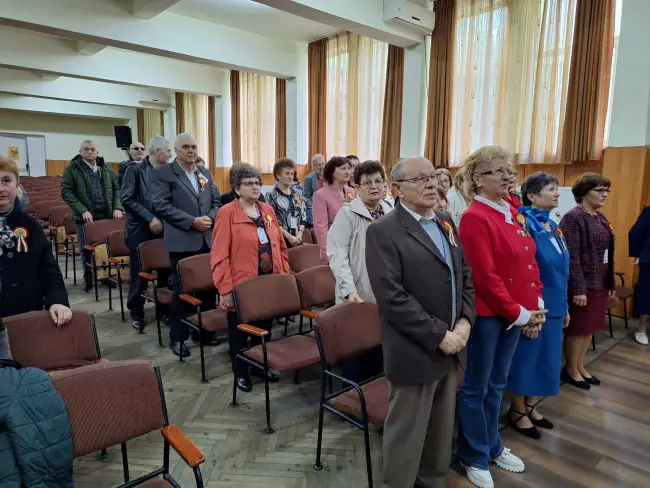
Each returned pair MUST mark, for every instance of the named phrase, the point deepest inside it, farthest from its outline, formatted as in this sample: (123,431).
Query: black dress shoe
(542,423)
(260,374)
(209,338)
(531,432)
(180,349)
(244,384)
(583,385)
(593,380)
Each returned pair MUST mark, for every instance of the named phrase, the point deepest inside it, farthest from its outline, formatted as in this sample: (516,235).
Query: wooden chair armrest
(190,299)
(309,314)
(147,276)
(115,261)
(88,247)
(185,448)
(251,329)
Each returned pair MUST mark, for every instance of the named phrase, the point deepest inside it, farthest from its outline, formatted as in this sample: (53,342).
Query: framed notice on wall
(14,153)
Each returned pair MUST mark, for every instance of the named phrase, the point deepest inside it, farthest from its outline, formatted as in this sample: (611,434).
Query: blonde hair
(459,178)
(482,157)
(10,166)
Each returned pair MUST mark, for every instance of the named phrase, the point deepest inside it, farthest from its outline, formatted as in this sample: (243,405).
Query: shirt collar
(419,217)
(502,207)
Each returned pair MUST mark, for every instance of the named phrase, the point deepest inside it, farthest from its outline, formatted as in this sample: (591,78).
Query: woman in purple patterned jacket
(590,239)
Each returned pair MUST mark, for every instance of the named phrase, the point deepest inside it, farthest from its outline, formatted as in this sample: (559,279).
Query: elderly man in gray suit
(186,199)
(425,296)
(313,182)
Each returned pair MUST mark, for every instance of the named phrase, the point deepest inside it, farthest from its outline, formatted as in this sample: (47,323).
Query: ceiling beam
(61,88)
(364,17)
(167,35)
(31,52)
(148,9)
(29,104)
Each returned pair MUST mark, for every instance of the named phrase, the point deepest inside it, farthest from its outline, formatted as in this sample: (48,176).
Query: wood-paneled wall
(221,177)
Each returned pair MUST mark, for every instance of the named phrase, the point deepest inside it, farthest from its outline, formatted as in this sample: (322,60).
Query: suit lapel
(414,228)
(180,174)
(205,195)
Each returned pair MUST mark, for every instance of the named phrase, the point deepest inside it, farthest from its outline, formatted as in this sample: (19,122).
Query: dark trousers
(237,341)
(135,302)
(180,309)
(85,255)
(364,366)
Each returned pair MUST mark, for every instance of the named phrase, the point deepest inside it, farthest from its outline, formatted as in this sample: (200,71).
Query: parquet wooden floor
(601,439)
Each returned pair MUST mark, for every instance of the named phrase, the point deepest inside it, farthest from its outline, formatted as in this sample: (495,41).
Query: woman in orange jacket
(247,241)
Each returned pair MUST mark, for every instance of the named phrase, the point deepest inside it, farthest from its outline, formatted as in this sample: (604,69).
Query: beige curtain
(195,110)
(211,161)
(514,58)
(589,86)
(180,113)
(280,118)
(356,86)
(257,115)
(317,95)
(235,121)
(151,125)
(391,136)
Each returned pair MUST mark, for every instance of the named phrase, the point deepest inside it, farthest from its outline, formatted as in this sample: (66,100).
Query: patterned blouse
(287,206)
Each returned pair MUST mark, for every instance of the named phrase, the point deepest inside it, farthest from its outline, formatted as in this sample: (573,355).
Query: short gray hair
(397,173)
(87,141)
(241,171)
(317,157)
(181,136)
(158,142)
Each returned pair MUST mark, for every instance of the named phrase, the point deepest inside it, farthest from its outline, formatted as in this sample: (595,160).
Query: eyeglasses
(420,180)
(249,184)
(501,172)
(379,182)
(602,191)
(139,148)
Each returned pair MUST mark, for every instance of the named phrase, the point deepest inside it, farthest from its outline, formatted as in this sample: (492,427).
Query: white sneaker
(479,477)
(641,338)
(510,462)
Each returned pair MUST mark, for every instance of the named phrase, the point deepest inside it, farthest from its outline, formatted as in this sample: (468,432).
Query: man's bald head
(186,150)
(88,151)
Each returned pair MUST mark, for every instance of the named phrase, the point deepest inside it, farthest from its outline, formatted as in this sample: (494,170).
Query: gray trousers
(418,433)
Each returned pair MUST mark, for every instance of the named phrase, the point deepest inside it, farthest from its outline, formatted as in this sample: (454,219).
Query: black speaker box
(123,137)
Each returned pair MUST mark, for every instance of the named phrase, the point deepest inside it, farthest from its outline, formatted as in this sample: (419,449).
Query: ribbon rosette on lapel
(521,220)
(21,236)
(560,235)
(349,196)
(269,221)
(450,233)
(202,181)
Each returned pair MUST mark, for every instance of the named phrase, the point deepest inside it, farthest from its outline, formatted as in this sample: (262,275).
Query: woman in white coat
(459,200)
(346,251)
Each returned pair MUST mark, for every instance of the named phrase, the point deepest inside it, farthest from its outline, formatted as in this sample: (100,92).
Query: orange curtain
(280,118)
(391,133)
(589,80)
(441,68)
(235,121)
(180,113)
(212,141)
(317,93)
(140,121)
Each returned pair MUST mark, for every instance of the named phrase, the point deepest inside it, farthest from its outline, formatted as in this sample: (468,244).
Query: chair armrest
(90,248)
(147,276)
(619,273)
(102,361)
(309,314)
(185,448)
(250,329)
(115,261)
(190,299)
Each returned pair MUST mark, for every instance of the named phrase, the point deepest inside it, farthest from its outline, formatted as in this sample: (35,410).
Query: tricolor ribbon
(450,233)
(21,236)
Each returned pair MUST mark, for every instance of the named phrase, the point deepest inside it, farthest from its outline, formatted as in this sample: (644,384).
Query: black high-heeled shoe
(531,432)
(583,385)
(542,423)
(593,380)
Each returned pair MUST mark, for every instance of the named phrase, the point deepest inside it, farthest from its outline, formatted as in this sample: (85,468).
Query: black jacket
(30,280)
(639,237)
(121,171)
(136,195)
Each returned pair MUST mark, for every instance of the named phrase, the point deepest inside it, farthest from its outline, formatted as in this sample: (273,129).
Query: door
(15,147)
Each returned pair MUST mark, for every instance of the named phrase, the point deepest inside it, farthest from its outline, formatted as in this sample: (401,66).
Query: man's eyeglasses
(420,180)
(250,184)
(368,183)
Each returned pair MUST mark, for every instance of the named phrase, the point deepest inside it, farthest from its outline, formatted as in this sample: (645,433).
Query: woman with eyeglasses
(443,175)
(501,255)
(331,198)
(590,239)
(247,242)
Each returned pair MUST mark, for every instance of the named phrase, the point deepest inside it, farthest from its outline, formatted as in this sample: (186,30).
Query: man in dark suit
(137,153)
(186,199)
(141,223)
(313,182)
(425,296)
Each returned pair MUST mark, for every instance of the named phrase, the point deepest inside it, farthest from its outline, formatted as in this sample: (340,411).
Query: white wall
(63,133)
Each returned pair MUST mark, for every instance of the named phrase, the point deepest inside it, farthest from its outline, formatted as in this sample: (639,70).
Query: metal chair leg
(609,317)
(110,294)
(201,337)
(234,386)
(593,342)
(366,439)
(625,312)
(119,286)
(269,429)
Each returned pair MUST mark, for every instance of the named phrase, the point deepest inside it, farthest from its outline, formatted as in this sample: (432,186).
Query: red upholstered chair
(263,298)
(304,257)
(96,234)
(153,259)
(344,331)
(110,404)
(57,214)
(317,288)
(196,276)
(70,244)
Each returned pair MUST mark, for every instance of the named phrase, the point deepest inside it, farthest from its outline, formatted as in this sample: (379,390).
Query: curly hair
(481,157)
(240,171)
(282,163)
(369,167)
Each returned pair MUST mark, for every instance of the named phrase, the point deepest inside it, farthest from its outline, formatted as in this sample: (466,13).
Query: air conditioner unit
(410,15)
(153,98)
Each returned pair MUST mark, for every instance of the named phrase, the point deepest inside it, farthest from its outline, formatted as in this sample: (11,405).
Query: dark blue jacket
(553,270)
(639,237)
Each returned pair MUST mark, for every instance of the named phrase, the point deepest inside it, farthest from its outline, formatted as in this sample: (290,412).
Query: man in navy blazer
(186,199)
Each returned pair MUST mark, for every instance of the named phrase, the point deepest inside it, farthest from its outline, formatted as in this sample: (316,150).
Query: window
(257,112)
(617,32)
(356,85)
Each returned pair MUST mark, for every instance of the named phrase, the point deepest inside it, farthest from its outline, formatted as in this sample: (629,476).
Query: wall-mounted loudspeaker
(123,137)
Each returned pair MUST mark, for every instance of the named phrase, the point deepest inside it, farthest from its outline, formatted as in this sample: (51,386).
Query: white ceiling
(254,17)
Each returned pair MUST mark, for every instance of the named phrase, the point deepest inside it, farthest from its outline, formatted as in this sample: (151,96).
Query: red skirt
(590,319)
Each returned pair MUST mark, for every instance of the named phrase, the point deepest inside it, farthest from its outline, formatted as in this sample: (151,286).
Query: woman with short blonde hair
(459,200)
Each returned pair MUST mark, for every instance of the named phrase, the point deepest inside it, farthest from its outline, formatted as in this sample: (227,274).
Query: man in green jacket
(90,189)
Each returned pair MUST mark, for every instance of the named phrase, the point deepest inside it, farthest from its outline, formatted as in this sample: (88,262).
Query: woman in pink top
(329,199)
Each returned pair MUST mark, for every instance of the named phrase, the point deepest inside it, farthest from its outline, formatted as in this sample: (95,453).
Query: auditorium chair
(344,331)
(70,244)
(623,293)
(43,211)
(304,257)
(57,214)
(317,288)
(270,297)
(110,404)
(154,258)
(96,233)
(118,257)
(196,276)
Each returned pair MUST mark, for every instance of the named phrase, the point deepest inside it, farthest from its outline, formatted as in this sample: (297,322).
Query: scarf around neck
(536,217)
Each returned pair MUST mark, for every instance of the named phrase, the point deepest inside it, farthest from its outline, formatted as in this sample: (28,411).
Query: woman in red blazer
(247,241)
(501,255)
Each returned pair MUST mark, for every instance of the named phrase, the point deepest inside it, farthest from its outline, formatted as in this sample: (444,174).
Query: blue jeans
(489,353)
